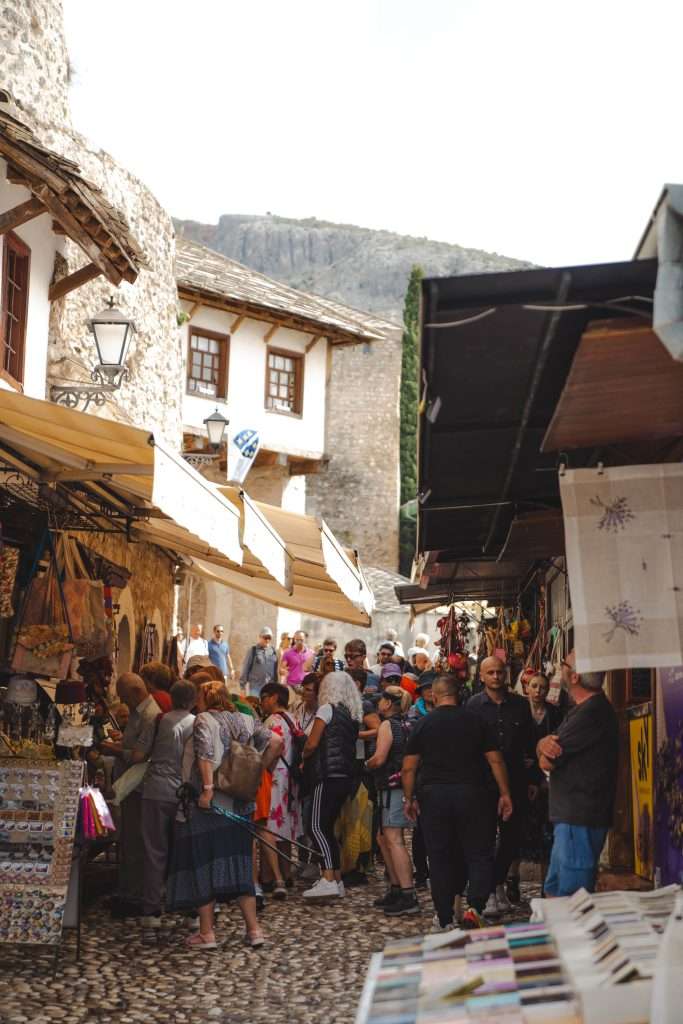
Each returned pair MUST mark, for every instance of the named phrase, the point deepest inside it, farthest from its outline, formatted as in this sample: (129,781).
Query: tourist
(450,748)
(285,810)
(332,745)
(328,651)
(355,656)
(581,758)
(386,764)
(212,854)
(196,645)
(260,664)
(197,663)
(219,652)
(158,679)
(294,660)
(384,653)
(356,819)
(425,699)
(391,636)
(305,717)
(159,800)
(537,835)
(390,674)
(133,748)
(509,716)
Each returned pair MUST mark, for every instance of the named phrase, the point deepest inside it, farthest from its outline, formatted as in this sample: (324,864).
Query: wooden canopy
(623,386)
(78,206)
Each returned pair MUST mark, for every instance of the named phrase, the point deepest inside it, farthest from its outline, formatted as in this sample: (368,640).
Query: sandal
(197,939)
(254,940)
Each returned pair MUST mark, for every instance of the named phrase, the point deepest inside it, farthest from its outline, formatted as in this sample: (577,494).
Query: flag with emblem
(243,446)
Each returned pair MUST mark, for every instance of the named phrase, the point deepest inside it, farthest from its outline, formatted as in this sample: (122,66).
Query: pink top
(295,661)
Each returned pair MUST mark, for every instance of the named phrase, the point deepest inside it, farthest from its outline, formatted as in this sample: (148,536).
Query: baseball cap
(391,669)
(266,631)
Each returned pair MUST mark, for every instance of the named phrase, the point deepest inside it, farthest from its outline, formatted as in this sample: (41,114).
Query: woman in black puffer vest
(332,747)
(386,766)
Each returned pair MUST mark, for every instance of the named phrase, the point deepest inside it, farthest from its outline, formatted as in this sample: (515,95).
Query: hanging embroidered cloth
(624,535)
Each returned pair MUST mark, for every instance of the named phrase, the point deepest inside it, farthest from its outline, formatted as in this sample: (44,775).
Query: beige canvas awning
(113,474)
(293,561)
(117,476)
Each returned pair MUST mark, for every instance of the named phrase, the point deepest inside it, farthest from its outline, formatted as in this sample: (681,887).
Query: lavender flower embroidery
(623,616)
(615,516)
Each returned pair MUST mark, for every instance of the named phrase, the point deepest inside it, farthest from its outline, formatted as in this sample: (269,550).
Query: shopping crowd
(313,766)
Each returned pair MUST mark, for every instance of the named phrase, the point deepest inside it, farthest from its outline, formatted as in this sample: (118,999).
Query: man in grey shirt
(260,664)
(132,748)
(159,801)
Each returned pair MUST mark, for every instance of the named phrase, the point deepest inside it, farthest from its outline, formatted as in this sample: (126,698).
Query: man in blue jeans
(582,761)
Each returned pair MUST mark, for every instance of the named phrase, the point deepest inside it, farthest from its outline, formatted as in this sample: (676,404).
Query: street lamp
(215,428)
(112,332)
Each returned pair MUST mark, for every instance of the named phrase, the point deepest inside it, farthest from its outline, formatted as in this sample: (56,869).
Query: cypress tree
(410,368)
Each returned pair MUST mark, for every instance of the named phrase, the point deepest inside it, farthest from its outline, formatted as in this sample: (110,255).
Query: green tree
(410,368)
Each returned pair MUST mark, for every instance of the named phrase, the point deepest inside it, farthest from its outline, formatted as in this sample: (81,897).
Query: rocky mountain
(366,269)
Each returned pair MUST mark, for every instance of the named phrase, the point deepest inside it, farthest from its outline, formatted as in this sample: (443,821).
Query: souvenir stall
(601,958)
(48,714)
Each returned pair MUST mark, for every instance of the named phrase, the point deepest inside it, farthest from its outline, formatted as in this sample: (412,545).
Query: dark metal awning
(495,353)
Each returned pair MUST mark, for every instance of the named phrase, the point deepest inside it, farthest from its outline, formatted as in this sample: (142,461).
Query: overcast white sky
(536,128)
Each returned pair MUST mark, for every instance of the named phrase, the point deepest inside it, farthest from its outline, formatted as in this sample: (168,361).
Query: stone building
(261,353)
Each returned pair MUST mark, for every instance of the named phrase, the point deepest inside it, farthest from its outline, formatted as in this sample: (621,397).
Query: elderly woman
(386,765)
(332,745)
(212,855)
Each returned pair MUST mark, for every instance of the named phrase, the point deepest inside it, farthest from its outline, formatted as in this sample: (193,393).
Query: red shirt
(163,699)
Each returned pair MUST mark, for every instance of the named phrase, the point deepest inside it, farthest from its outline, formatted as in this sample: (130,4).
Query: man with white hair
(582,761)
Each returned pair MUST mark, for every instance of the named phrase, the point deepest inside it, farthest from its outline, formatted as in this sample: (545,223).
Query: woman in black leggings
(332,747)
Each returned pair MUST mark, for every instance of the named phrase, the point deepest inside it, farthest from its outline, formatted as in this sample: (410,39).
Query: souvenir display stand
(39,805)
(585,960)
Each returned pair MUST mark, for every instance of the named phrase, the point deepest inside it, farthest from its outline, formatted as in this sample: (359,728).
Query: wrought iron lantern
(216,425)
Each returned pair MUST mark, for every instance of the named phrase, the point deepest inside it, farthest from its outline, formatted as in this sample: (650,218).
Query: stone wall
(34,67)
(358,493)
(34,63)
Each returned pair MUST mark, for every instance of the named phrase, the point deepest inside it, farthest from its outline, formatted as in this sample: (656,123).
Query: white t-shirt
(324,713)
(196,646)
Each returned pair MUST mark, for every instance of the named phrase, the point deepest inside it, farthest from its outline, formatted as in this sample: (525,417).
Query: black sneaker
(512,890)
(421,881)
(390,896)
(354,878)
(403,905)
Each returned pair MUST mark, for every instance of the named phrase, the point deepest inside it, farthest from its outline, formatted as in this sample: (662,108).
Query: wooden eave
(256,312)
(76,205)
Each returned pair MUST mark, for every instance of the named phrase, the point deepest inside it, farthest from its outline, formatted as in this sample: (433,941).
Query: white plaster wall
(302,436)
(43,243)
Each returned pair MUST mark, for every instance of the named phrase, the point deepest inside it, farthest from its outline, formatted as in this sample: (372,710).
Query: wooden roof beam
(270,333)
(31,167)
(68,284)
(313,342)
(237,323)
(79,235)
(21,214)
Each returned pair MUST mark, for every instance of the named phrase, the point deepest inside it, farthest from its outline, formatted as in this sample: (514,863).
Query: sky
(538,129)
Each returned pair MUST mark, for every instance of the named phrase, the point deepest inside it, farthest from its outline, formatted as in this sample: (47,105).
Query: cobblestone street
(311,970)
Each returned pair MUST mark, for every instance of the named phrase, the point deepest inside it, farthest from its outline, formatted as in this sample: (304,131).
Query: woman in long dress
(212,854)
(284,817)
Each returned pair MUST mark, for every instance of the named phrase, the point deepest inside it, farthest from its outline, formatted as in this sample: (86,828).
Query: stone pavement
(311,970)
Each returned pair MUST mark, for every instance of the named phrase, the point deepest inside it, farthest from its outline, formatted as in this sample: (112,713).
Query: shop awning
(294,561)
(98,473)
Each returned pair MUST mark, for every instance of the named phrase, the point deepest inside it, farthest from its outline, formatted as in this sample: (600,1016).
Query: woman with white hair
(331,746)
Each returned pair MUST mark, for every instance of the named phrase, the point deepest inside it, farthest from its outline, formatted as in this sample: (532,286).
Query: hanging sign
(641,743)
(243,446)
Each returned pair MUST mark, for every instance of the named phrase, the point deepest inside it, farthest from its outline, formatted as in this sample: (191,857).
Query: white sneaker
(340,887)
(492,909)
(504,905)
(322,889)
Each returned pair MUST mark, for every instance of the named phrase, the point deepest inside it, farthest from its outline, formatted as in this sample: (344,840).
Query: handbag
(129,782)
(239,773)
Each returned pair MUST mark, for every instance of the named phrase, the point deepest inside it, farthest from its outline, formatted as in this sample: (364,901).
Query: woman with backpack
(212,855)
(285,809)
(332,747)
(385,764)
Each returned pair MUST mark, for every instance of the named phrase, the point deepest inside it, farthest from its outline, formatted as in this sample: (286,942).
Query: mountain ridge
(365,268)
